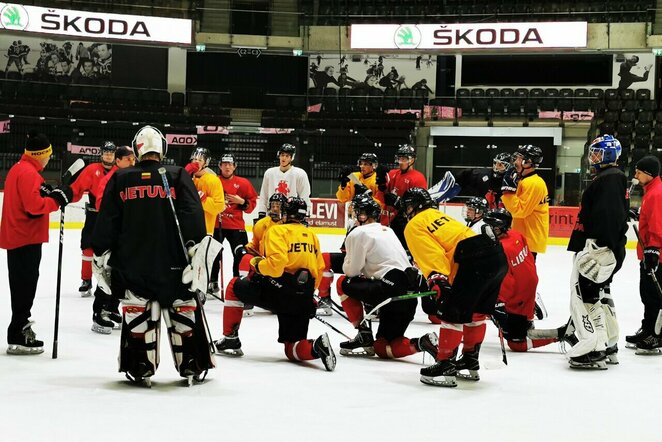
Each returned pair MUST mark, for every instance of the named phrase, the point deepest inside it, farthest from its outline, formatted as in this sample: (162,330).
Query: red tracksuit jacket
(650,225)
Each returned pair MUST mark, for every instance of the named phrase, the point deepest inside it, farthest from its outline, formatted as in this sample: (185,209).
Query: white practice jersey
(294,182)
(373,250)
(477,226)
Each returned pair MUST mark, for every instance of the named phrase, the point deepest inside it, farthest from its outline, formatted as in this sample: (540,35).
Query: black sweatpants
(649,297)
(23,265)
(235,238)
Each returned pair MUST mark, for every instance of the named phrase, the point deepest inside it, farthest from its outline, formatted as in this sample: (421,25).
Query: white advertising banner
(470,36)
(182,139)
(99,25)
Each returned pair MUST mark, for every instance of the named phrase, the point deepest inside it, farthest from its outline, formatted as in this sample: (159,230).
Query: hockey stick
(166,186)
(331,327)
(67,176)
(658,321)
(371,314)
(504,359)
(334,307)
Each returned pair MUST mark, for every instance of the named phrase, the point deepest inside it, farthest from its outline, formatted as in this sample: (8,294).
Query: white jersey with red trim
(293,182)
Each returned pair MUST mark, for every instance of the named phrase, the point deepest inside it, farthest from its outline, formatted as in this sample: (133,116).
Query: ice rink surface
(262,397)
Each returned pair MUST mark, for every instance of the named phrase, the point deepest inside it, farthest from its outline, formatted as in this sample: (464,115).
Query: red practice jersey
(232,217)
(399,183)
(518,289)
(88,181)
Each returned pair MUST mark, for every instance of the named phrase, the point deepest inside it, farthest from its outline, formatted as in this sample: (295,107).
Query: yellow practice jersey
(259,229)
(212,196)
(432,237)
(530,209)
(347,194)
(291,247)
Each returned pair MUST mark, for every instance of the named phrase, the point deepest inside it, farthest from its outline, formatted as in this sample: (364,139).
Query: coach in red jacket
(648,251)
(24,227)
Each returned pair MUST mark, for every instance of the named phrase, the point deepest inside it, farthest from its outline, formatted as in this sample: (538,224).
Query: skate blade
(86,294)
(602,365)
(248,313)
(439,381)
(359,352)
(21,350)
(140,382)
(630,345)
(103,330)
(231,353)
(117,326)
(612,360)
(472,375)
(324,312)
(646,352)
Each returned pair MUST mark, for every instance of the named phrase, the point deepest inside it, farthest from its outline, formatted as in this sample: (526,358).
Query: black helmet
(477,203)
(499,219)
(405,151)
(203,154)
(276,198)
(108,146)
(531,153)
(417,198)
(228,158)
(295,208)
(369,157)
(366,204)
(287,148)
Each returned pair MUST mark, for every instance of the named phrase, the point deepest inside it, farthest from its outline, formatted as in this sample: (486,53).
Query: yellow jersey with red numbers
(291,247)
(432,237)
(529,207)
(212,197)
(259,229)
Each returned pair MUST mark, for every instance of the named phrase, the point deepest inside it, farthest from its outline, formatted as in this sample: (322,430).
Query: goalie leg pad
(188,338)
(139,341)
(611,322)
(588,316)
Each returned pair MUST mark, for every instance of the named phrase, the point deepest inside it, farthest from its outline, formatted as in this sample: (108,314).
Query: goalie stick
(445,189)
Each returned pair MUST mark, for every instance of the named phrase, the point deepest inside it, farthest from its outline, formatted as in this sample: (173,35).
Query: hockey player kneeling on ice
(376,268)
(466,270)
(515,307)
(598,240)
(138,229)
(282,281)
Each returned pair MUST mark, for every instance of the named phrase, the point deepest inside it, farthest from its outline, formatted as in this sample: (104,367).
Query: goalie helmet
(531,153)
(501,162)
(149,139)
(479,205)
(498,219)
(287,148)
(275,212)
(418,199)
(603,151)
(295,208)
(369,158)
(365,204)
(201,153)
(405,151)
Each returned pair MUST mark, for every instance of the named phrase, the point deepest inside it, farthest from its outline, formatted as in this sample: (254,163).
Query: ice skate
(468,361)
(651,345)
(428,343)
(540,310)
(229,346)
(25,342)
(361,345)
(214,288)
(116,318)
(85,288)
(631,341)
(101,323)
(249,310)
(322,347)
(612,355)
(595,360)
(441,374)
(192,375)
(324,307)
(141,376)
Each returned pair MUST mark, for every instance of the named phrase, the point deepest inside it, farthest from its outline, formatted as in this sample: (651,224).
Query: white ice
(81,397)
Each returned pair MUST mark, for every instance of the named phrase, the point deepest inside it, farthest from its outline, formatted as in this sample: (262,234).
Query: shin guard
(610,317)
(300,350)
(233,310)
(327,277)
(474,332)
(86,264)
(450,336)
(396,348)
(139,341)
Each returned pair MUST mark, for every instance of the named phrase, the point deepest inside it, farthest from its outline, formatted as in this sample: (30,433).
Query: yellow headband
(39,154)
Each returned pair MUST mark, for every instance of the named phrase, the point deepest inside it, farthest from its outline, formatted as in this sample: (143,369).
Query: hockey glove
(202,256)
(342,176)
(62,195)
(360,189)
(255,262)
(45,190)
(439,283)
(382,178)
(651,259)
(192,168)
(510,180)
(391,199)
(595,263)
(633,214)
(101,271)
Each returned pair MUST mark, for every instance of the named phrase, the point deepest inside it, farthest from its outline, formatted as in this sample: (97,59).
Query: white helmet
(149,139)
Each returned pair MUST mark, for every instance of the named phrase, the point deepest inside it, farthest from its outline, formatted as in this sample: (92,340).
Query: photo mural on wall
(361,73)
(634,71)
(76,62)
